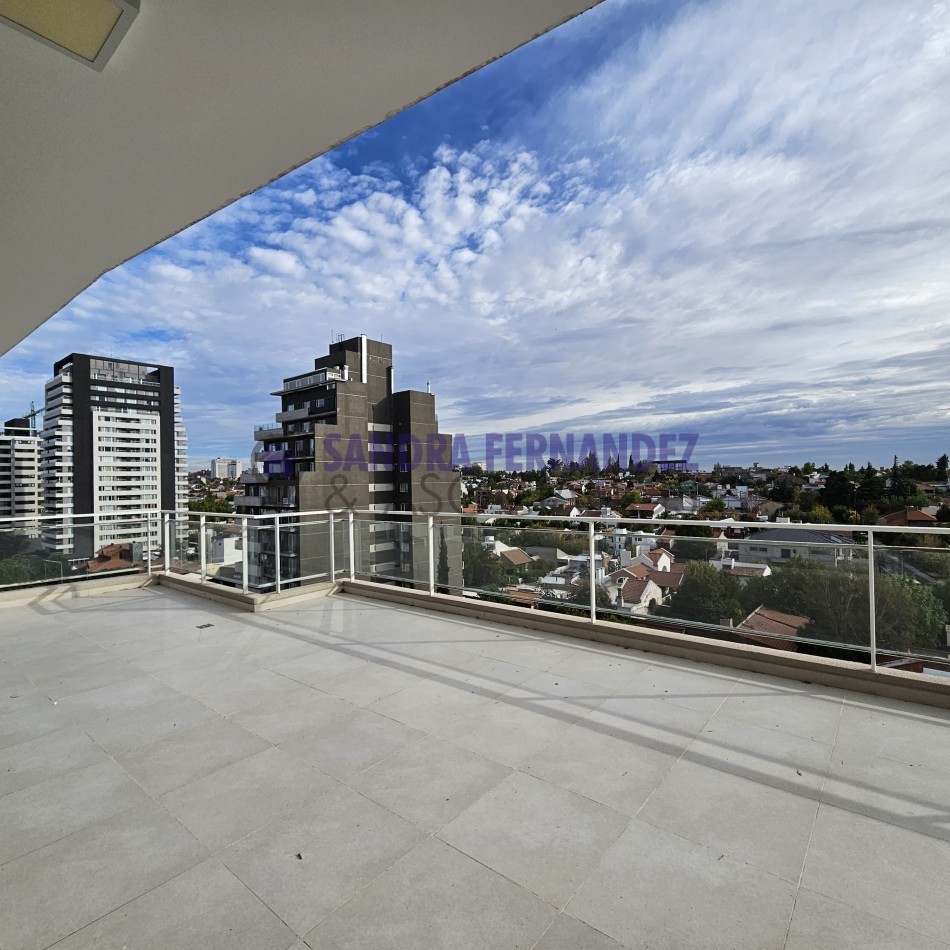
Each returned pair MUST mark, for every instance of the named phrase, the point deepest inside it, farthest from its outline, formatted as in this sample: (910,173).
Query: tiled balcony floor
(358,775)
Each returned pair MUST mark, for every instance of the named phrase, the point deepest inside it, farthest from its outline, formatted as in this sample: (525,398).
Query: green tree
(15,570)
(838,490)
(836,601)
(211,504)
(943,463)
(715,506)
(943,514)
(581,597)
(706,596)
(12,543)
(483,569)
(442,571)
(819,514)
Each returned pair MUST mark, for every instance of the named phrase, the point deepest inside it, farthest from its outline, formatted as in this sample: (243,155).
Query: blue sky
(726,217)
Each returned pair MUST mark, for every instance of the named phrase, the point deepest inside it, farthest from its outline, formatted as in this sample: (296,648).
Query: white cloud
(736,225)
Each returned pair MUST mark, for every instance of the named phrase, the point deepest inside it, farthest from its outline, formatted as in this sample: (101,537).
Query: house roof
(634,589)
(639,571)
(802,536)
(765,620)
(669,579)
(907,516)
(517,556)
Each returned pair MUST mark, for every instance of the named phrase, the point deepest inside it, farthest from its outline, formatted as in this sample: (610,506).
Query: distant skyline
(728,218)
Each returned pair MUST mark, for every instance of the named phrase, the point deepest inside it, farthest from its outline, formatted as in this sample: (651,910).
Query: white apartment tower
(113,443)
(20,485)
(225,468)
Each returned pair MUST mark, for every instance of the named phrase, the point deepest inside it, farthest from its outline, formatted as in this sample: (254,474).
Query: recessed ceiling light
(87,30)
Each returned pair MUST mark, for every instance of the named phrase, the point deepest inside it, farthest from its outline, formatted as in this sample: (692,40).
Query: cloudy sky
(730,218)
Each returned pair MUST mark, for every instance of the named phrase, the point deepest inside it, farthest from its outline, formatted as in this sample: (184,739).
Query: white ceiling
(204,102)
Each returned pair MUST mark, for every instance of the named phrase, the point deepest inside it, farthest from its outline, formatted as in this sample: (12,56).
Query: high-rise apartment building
(225,468)
(113,441)
(20,485)
(345,439)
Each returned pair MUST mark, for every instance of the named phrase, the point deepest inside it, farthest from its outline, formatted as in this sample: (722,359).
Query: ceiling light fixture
(86,30)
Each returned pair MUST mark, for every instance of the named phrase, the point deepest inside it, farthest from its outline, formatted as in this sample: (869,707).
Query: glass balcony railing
(877,595)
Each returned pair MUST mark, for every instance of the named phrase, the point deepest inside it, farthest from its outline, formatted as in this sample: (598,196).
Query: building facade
(20,484)
(113,441)
(225,468)
(344,439)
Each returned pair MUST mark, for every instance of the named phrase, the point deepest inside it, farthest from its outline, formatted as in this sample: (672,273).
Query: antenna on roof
(428,386)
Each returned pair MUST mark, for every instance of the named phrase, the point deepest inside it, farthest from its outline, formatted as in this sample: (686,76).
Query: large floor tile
(809,712)
(615,771)
(47,894)
(87,676)
(751,822)
(280,719)
(129,694)
(912,796)
(659,891)
(235,800)
(128,729)
(764,755)
(431,703)
(558,696)
(229,694)
(35,760)
(503,731)
(438,899)
(206,907)
(542,837)
(703,689)
(317,666)
(822,922)
(40,814)
(566,933)
(188,754)
(373,682)
(430,781)
(346,746)
(613,667)
(309,862)
(899,731)
(879,868)
(649,721)
(29,715)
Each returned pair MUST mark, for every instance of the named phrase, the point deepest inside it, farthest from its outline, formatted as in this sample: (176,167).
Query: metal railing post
(201,545)
(166,541)
(245,557)
(148,543)
(430,531)
(332,549)
(590,572)
(277,552)
(352,530)
(872,628)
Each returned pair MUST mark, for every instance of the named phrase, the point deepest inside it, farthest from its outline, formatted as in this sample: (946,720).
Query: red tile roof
(764,620)
(517,557)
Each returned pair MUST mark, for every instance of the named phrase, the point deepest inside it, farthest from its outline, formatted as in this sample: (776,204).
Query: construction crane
(31,415)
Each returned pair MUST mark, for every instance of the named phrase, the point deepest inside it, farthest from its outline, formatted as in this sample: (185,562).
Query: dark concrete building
(113,441)
(343,439)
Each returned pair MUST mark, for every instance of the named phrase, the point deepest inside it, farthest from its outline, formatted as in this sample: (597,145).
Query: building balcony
(264,432)
(352,768)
